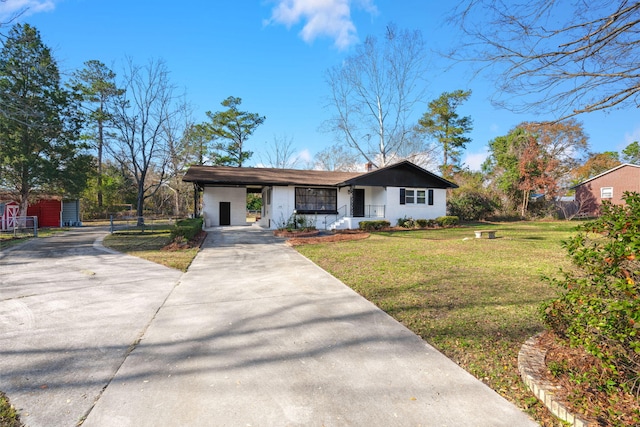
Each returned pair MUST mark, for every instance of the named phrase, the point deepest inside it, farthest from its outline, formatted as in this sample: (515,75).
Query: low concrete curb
(531,364)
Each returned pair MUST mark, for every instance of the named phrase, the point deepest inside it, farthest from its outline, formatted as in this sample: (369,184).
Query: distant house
(610,185)
(330,200)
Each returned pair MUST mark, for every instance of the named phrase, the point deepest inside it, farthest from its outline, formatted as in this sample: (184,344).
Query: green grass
(148,245)
(476,300)
(8,415)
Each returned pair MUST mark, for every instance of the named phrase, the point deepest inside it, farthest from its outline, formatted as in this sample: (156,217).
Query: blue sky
(273,54)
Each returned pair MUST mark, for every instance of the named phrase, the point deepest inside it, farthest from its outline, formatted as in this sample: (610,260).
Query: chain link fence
(139,224)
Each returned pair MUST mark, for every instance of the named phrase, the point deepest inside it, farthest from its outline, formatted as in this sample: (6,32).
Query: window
(316,200)
(418,197)
(606,193)
(409,197)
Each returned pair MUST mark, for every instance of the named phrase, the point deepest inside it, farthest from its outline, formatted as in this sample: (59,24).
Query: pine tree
(39,122)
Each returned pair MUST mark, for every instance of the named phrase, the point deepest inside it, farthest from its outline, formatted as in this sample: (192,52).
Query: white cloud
(475,160)
(304,156)
(331,18)
(629,137)
(9,9)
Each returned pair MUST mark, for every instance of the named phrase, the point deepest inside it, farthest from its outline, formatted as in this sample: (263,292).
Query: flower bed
(295,233)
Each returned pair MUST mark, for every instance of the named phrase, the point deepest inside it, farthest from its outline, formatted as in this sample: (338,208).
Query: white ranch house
(330,200)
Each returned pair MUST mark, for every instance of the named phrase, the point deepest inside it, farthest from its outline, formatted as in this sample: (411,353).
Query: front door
(358,202)
(225,213)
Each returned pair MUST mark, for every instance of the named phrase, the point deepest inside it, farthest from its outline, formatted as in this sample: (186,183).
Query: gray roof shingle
(226,175)
(399,174)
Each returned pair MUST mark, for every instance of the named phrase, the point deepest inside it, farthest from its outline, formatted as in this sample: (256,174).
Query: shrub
(471,205)
(599,307)
(298,222)
(422,223)
(447,221)
(187,228)
(374,225)
(406,222)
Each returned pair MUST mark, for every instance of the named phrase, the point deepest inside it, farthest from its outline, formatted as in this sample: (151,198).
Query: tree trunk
(140,205)
(24,202)
(525,202)
(24,192)
(100,144)
(176,212)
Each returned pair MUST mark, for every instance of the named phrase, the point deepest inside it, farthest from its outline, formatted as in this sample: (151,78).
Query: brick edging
(531,364)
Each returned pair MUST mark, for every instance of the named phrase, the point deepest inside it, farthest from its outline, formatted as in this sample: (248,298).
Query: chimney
(369,166)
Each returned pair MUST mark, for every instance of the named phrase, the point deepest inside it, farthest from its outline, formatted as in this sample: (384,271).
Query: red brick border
(531,364)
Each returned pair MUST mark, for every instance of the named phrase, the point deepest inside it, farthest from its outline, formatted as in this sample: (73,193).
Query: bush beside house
(187,228)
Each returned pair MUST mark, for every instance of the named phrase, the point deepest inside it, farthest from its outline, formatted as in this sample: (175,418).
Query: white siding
(344,201)
(378,196)
(416,211)
(211,205)
(283,203)
(278,212)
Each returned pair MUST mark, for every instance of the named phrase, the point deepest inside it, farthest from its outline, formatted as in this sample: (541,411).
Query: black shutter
(402,196)
(430,192)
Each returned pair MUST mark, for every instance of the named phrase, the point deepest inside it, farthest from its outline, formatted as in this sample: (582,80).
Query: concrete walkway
(253,334)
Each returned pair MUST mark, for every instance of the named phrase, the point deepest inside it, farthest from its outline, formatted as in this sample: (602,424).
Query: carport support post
(196,200)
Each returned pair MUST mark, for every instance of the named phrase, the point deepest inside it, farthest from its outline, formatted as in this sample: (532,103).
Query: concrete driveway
(253,334)
(69,314)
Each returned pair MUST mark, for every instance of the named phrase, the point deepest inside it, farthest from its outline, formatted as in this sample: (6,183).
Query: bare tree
(547,55)
(140,117)
(570,208)
(281,154)
(374,93)
(336,158)
(183,151)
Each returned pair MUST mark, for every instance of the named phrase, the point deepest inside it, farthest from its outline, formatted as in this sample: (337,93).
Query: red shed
(48,211)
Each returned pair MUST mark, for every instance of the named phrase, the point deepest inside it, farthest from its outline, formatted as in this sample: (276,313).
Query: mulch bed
(582,399)
(295,234)
(196,242)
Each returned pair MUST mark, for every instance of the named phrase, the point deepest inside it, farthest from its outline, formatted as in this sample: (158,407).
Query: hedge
(374,225)
(447,221)
(187,228)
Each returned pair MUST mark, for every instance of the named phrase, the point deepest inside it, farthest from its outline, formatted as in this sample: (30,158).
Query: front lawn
(476,300)
(149,245)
